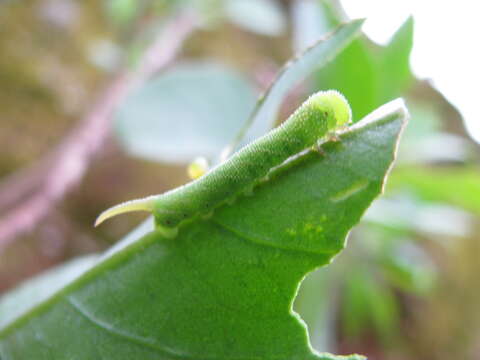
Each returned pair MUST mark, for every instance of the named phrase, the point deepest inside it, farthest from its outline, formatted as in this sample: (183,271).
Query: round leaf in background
(195,109)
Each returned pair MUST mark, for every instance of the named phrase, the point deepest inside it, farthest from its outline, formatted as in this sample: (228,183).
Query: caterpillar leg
(333,136)
(169,233)
(318,148)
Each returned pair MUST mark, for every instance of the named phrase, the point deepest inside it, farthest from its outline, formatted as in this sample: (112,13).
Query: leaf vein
(105,326)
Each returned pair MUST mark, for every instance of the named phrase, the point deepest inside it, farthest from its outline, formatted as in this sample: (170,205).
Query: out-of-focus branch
(32,192)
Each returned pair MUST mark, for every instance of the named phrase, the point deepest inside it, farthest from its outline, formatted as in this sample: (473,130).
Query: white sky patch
(446,45)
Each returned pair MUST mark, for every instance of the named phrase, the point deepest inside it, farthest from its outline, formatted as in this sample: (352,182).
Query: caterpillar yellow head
(339,108)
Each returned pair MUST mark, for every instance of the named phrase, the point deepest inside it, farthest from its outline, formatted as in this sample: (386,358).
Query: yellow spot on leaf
(291,232)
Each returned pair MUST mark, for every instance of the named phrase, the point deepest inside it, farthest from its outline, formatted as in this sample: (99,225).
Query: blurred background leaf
(193,110)
(265,17)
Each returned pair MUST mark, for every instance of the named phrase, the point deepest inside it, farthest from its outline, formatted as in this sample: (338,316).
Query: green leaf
(369,304)
(122,11)
(223,288)
(193,110)
(367,74)
(265,113)
(354,71)
(354,74)
(395,63)
(450,185)
(308,23)
(41,287)
(408,267)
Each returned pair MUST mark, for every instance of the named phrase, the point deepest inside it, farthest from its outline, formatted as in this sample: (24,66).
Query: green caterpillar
(316,119)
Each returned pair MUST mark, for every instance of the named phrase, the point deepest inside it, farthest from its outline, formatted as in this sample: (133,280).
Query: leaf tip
(399,108)
(395,109)
(359,21)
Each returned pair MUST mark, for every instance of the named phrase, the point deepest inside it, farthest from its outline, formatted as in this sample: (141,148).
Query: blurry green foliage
(367,302)
(368,74)
(430,184)
(122,11)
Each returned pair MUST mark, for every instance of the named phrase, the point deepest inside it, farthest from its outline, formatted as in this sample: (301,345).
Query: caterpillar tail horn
(145,204)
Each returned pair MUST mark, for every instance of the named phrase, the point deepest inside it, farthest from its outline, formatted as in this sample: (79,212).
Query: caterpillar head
(335,105)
